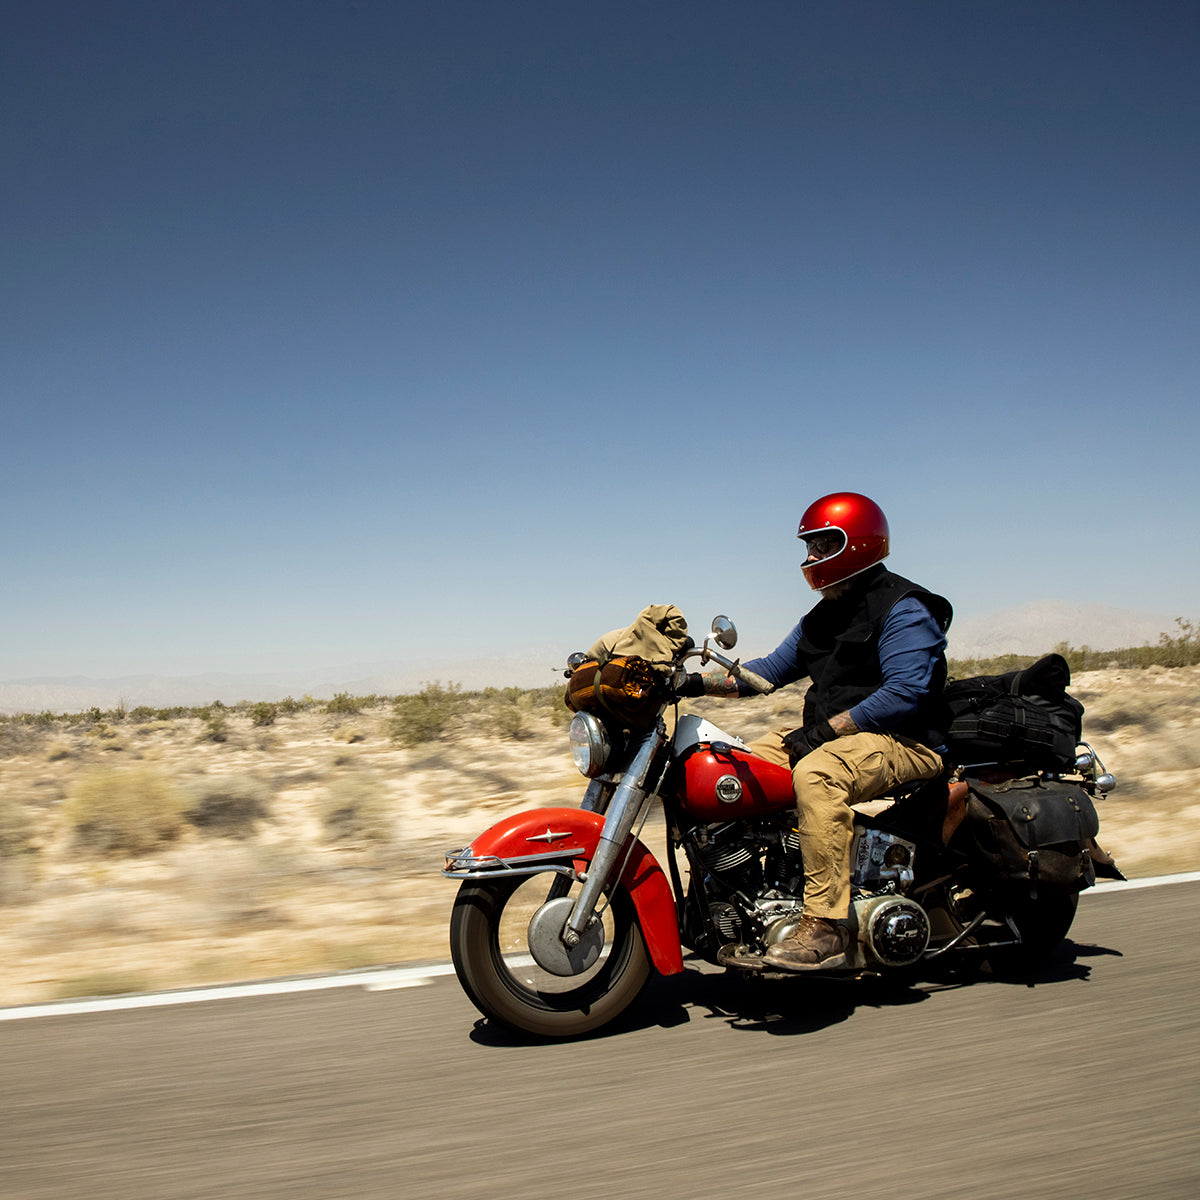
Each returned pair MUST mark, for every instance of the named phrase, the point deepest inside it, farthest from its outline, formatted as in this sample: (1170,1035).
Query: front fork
(623,810)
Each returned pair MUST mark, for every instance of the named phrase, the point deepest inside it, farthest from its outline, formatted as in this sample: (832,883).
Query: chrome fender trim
(460,864)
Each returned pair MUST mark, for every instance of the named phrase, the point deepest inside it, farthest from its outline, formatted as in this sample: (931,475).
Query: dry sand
(283,900)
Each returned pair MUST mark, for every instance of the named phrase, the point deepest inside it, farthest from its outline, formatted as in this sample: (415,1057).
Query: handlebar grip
(752,680)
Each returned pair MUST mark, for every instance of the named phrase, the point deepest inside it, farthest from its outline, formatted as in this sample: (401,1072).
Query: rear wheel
(1042,923)
(489,929)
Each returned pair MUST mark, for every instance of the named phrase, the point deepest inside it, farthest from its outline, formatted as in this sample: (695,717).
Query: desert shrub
(549,701)
(509,721)
(215,724)
(18,736)
(228,806)
(505,713)
(263,713)
(130,811)
(965,668)
(343,703)
(1182,650)
(142,713)
(426,715)
(355,808)
(60,749)
(105,736)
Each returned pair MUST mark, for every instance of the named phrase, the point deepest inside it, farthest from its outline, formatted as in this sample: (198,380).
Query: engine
(892,931)
(754,883)
(881,859)
(753,875)
(747,858)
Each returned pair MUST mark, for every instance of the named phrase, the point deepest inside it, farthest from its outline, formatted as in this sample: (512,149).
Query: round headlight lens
(590,745)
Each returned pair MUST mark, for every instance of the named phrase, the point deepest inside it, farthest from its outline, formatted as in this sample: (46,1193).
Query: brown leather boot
(817,945)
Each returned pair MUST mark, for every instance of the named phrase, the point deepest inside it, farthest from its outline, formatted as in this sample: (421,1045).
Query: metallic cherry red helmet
(863,531)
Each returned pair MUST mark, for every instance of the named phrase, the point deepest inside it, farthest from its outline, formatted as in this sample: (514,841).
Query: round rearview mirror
(724,633)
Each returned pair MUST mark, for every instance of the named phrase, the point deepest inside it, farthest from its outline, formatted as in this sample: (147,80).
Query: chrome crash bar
(462,865)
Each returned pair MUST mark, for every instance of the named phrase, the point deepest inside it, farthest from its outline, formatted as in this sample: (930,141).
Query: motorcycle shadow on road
(787,1007)
(793,1006)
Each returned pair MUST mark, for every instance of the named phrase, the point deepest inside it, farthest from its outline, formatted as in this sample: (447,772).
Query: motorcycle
(562,914)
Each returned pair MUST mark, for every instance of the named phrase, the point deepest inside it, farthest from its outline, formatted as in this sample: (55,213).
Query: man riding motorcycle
(874,648)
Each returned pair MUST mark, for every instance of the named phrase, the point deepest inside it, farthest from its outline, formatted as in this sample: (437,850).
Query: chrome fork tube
(623,809)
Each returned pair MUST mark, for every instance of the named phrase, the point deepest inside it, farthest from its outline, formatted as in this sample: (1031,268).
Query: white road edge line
(1125,885)
(372,981)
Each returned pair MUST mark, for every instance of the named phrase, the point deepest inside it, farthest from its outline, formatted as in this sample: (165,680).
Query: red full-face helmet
(845,534)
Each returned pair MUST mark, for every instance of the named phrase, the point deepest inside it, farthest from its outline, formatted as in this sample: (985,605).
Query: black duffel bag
(1032,829)
(1021,717)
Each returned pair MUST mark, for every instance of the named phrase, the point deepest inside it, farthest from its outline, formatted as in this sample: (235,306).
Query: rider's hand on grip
(692,685)
(755,682)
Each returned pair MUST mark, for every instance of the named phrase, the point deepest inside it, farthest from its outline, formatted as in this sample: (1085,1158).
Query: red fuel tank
(729,784)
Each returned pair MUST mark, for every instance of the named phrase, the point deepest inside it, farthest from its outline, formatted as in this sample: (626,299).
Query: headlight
(590,745)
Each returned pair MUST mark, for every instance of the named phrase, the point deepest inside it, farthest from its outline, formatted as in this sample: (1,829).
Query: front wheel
(489,944)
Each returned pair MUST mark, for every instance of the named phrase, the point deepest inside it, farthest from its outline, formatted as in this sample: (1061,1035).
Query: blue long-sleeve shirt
(910,644)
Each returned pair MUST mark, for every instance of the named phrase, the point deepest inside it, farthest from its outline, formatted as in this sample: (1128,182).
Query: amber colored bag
(626,689)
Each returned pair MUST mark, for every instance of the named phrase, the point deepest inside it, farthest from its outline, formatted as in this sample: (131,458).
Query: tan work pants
(849,770)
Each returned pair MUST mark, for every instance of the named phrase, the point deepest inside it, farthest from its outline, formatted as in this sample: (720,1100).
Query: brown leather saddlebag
(1032,829)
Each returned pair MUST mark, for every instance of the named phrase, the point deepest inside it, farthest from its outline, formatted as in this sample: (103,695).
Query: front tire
(489,945)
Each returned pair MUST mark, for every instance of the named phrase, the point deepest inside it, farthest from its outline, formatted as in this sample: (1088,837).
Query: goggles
(822,545)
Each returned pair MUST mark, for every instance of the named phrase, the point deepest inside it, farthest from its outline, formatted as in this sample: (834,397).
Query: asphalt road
(1081,1083)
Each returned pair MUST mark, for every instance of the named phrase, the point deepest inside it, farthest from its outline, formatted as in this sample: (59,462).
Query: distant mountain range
(1030,629)
(76,693)
(1038,627)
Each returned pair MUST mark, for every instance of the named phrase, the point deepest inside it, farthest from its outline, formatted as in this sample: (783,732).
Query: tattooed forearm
(843,724)
(717,683)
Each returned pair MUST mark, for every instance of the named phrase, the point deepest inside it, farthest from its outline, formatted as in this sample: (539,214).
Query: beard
(835,590)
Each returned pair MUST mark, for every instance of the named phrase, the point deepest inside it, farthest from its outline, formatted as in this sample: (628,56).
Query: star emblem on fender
(548,836)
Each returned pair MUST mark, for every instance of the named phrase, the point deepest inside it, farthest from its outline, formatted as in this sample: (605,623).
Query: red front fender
(538,831)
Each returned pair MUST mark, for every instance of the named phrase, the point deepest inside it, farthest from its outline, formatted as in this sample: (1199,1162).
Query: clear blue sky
(359,330)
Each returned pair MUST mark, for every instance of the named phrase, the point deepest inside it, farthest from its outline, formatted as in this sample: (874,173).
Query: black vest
(839,649)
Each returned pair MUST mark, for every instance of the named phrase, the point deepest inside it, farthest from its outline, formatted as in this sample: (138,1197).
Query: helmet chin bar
(815,572)
(836,588)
